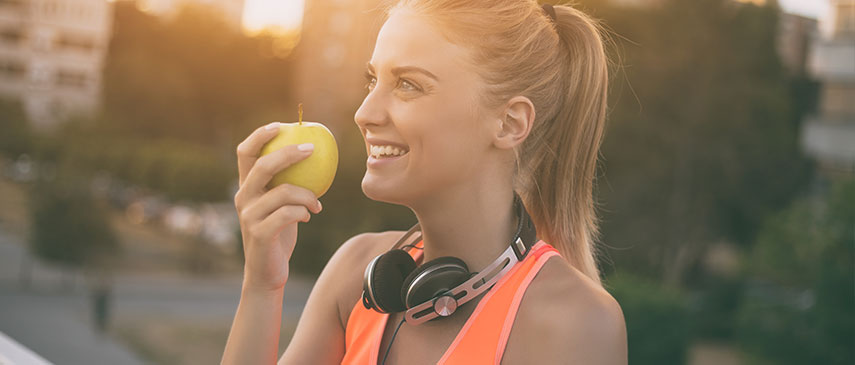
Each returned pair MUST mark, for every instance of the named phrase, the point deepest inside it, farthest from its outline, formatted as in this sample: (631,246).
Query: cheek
(449,146)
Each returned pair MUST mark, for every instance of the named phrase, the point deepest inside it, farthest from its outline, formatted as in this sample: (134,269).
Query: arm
(268,222)
(255,329)
(319,336)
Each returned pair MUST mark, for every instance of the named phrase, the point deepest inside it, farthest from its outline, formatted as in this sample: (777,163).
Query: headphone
(393,283)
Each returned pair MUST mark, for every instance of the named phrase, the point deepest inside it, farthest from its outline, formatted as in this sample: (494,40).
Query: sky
(811,8)
(819,9)
(287,14)
(283,14)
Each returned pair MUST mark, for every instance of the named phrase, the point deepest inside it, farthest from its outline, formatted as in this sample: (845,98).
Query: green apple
(315,172)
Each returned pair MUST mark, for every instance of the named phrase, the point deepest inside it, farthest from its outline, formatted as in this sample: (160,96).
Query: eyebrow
(401,69)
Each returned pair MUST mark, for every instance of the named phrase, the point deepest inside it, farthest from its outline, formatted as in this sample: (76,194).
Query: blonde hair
(562,68)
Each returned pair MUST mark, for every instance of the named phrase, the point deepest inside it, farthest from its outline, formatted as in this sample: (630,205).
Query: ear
(515,123)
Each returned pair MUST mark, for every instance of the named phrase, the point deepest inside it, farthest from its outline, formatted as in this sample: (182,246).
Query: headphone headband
(446,303)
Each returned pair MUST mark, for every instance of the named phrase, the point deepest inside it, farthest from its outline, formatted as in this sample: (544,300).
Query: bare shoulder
(365,246)
(565,317)
(352,258)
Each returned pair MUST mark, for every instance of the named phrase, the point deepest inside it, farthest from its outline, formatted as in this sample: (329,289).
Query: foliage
(656,319)
(701,143)
(16,136)
(191,79)
(715,305)
(69,227)
(180,170)
(803,309)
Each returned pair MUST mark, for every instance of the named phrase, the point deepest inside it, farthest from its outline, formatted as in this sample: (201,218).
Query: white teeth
(379,151)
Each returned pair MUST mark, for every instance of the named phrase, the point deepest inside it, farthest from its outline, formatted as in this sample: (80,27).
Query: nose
(372,112)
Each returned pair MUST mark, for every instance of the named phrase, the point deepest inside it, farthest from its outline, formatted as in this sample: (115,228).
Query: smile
(382,152)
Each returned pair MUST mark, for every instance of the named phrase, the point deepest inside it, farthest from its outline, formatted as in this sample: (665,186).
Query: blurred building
(51,55)
(639,3)
(796,33)
(336,42)
(829,137)
(230,10)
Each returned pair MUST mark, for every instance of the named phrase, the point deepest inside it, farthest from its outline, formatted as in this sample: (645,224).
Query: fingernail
(320,207)
(273,125)
(305,147)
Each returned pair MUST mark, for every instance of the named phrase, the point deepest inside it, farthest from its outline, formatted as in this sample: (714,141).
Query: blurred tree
(801,309)
(702,146)
(192,79)
(656,318)
(68,226)
(181,170)
(17,134)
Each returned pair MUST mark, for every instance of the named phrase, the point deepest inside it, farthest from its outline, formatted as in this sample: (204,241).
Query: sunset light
(278,16)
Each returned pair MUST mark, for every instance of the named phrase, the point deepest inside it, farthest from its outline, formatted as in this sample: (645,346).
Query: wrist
(255,288)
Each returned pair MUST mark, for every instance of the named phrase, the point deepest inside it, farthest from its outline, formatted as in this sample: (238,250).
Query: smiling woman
(484,117)
(276,15)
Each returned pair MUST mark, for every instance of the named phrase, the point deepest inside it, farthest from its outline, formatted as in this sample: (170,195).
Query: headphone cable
(392,340)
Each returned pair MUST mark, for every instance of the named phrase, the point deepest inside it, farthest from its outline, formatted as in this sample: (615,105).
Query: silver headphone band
(415,229)
(509,258)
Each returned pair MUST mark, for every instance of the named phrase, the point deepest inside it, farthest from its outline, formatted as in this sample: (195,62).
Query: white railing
(13,353)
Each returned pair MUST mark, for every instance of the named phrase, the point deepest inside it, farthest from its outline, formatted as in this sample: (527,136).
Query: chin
(383,190)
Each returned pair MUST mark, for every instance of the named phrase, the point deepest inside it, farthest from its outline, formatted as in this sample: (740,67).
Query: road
(57,323)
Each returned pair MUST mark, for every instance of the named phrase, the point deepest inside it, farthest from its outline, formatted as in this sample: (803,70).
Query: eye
(370,81)
(411,86)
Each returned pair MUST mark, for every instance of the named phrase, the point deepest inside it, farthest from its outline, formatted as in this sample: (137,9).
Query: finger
(285,194)
(268,165)
(250,148)
(267,228)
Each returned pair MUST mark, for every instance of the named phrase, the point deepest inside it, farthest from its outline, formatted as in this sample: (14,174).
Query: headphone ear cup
(389,273)
(443,274)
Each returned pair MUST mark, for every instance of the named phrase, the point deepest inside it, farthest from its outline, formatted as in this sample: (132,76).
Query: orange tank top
(482,339)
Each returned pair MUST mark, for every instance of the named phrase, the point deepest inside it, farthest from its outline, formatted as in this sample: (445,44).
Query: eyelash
(369,78)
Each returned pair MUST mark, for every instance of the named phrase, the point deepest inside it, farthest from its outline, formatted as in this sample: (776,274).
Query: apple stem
(300,114)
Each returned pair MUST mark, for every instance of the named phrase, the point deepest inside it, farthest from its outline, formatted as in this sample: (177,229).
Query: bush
(805,311)
(180,170)
(16,136)
(656,319)
(69,227)
(715,308)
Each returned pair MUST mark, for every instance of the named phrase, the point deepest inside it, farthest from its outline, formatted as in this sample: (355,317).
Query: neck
(474,224)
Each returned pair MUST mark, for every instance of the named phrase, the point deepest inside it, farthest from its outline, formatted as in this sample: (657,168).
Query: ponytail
(560,161)
(561,66)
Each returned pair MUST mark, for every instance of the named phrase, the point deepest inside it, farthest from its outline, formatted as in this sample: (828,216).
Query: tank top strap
(417,250)
(483,338)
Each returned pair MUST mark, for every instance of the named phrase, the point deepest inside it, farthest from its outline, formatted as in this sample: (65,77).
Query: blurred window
(10,3)
(70,41)
(71,78)
(12,69)
(13,36)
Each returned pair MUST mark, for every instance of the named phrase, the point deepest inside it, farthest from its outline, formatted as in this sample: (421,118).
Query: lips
(384,148)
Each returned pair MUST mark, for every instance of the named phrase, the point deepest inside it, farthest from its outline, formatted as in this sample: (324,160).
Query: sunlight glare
(278,16)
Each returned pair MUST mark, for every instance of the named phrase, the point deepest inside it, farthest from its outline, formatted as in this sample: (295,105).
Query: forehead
(407,39)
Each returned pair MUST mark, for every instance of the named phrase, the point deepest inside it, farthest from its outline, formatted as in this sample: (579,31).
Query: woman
(484,99)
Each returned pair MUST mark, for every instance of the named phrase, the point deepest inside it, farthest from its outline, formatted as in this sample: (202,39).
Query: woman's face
(423,95)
